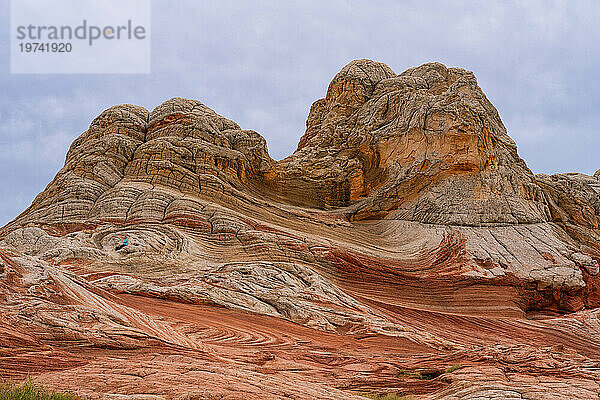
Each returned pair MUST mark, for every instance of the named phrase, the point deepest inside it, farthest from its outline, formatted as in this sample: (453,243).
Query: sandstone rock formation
(403,247)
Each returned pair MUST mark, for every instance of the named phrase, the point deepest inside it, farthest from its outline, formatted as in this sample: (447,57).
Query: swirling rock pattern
(403,247)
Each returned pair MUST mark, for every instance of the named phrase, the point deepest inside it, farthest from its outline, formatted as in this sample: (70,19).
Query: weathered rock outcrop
(426,144)
(405,220)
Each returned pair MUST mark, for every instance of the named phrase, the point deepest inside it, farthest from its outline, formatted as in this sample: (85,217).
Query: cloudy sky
(262,64)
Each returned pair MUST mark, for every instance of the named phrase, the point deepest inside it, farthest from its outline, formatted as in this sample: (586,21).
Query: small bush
(29,391)
(454,368)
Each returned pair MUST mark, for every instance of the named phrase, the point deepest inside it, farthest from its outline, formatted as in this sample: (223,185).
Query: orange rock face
(404,247)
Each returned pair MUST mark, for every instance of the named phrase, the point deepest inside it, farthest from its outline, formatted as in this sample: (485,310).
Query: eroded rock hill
(402,239)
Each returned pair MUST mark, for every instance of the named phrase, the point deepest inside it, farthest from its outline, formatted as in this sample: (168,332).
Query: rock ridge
(403,247)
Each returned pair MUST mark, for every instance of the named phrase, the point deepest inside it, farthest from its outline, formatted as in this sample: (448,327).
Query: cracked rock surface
(404,247)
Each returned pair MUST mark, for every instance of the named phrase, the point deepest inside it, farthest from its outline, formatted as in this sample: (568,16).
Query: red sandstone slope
(404,247)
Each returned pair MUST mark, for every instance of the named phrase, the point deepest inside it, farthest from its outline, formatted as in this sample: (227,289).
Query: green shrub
(454,368)
(29,391)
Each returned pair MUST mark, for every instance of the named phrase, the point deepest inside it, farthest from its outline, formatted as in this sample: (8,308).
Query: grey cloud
(263,63)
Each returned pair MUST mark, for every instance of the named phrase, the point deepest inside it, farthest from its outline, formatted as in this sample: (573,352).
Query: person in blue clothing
(124,244)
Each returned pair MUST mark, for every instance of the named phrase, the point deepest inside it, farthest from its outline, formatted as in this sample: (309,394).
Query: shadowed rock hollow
(402,239)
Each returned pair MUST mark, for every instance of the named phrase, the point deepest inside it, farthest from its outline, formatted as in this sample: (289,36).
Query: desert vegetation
(29,391)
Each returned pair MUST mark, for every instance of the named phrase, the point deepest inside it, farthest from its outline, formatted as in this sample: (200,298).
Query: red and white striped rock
(404,238)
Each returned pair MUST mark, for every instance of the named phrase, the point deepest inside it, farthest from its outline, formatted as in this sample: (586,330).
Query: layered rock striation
(404,216)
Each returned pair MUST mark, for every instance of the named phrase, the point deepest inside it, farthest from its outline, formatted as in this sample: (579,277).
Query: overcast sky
(262,64)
